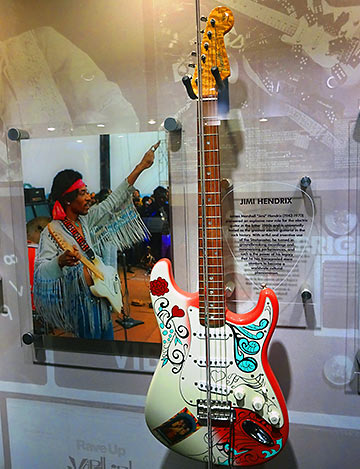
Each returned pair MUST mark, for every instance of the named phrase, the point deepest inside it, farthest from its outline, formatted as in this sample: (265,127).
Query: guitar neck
(91,267)
(66,246)
(211,271)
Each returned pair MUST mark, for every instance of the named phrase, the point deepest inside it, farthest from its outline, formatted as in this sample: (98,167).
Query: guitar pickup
(221,412)
(218,335)
(215,388)
(116,283)
(218,363)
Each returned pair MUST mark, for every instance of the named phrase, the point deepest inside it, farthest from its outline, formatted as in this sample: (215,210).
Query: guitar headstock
(59,239)
(213,53)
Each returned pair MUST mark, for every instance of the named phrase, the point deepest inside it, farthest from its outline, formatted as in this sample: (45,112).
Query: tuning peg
(192,65)
(193,53)
(202,31)
(206,45)
(203,18)
(209,34)
(212,21)
(203,58)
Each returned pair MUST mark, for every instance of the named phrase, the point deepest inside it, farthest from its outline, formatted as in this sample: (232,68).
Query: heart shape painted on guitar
(217,375)
(177,312)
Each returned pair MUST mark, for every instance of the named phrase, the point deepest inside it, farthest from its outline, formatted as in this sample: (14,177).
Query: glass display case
(254,188)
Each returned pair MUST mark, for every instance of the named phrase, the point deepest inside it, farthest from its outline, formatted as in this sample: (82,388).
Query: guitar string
(221,281)
(220,356)
(201,156)
(214,188)
(213,171)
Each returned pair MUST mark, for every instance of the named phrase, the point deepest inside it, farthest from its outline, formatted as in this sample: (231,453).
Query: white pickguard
(110,287)
(228,381)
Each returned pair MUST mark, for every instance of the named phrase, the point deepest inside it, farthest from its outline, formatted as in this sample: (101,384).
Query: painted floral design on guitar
(173,334)
(159,287)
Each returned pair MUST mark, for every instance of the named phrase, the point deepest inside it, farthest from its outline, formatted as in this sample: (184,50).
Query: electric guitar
(106,279)
(213,396)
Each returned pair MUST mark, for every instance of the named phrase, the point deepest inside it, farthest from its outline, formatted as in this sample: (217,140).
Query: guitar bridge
(221,412)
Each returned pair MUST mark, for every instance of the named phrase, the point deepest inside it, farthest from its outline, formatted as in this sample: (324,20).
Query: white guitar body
(106,279)
(110,287)
(241,379)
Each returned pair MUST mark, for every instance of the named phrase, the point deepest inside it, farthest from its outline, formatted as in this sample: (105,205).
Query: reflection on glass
(268,226)
(89,267)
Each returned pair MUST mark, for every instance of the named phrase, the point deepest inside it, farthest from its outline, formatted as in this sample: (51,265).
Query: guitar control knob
(239,393)
(274,417)
(258,403)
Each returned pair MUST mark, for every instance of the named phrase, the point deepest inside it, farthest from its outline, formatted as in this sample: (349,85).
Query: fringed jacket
(61,295)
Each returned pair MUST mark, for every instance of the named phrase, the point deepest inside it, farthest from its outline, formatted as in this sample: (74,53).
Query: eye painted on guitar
(257,433)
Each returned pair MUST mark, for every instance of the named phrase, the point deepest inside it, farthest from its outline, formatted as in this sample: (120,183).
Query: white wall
(126,150)
(43,158)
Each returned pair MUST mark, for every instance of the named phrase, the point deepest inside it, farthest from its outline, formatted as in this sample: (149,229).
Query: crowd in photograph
(154,211)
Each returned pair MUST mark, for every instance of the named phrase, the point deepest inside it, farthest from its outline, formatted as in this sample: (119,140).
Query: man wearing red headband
(61,283)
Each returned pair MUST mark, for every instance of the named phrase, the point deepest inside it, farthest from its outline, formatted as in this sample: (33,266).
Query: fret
(209,257)
(212,244)
(216,308)
(213,299)
(215,248)
(209,135)
(201,256)
(212,274)
(214,284)
(217,321)
(211,214)
(218,192)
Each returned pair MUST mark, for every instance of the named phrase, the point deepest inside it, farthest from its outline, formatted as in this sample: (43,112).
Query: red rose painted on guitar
(213,396)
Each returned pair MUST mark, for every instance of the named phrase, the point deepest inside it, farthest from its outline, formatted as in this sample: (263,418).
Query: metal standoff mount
(18,134)
(306,295)
(171,124)
(305,183)
(29,338)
